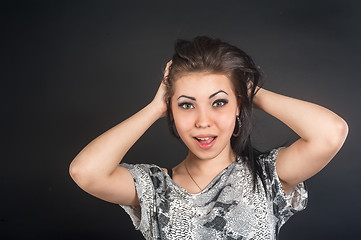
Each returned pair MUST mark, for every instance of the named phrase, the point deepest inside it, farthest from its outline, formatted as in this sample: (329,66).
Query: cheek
(183,120)
(183,123)
(226,121)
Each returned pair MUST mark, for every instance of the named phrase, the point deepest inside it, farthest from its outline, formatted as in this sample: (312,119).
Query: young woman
(224,188)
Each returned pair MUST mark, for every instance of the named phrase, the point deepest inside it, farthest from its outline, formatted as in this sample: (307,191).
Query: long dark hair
(205,54)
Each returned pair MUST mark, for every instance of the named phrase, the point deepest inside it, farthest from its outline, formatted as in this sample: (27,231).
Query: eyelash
(222,101)
(188,105)
(184,104)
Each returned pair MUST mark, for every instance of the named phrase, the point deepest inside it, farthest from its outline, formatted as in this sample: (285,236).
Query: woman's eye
(186,105)
(220,103)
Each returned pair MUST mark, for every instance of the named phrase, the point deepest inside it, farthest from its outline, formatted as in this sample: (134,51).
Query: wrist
(158,109)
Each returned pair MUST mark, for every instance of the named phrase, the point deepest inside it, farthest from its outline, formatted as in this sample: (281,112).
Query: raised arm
(96,168)
(322,135)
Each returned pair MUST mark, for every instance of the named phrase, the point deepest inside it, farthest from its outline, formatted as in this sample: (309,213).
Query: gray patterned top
(227,208)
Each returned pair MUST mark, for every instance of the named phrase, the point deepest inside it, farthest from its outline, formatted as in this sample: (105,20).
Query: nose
(203,120)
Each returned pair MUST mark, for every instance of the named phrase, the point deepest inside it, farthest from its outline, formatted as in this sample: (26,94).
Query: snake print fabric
(227,208)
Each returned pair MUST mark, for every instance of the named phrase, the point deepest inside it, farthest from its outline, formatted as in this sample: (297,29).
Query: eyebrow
(214,94)
(211,96)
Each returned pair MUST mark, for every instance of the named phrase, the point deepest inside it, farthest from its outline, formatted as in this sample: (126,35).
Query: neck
(209,166)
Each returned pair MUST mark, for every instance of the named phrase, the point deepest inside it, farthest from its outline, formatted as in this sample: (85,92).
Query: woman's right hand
(159,100)
(96,168)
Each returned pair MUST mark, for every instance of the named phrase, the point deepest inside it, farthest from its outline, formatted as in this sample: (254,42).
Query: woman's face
(204,108)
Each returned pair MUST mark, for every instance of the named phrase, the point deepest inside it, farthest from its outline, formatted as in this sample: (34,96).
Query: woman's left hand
(322,135)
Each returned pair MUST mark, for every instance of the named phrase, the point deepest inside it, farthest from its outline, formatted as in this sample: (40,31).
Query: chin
(208,154)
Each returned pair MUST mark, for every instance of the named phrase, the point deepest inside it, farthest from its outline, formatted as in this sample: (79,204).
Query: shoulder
(267,162)
(269,156)
(149,168)
(147,173)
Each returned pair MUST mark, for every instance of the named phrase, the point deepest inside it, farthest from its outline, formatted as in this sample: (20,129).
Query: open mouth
(205,142)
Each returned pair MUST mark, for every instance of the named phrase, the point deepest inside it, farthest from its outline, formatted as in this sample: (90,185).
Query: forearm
(101,156)
(310,121)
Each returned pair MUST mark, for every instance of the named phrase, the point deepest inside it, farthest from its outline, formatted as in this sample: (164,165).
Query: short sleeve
(284,205)
(142,215)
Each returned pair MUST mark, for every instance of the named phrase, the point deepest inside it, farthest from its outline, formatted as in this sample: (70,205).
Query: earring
(239,127)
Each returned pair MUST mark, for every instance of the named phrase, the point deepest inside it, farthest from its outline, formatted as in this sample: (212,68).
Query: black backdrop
(72,69)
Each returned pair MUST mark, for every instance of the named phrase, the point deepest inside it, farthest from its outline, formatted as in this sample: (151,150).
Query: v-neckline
(206,188)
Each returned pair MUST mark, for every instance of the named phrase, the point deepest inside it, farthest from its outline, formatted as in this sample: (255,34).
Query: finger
(168,65)
(166,70)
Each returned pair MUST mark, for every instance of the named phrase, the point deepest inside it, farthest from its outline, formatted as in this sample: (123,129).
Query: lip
(205,144)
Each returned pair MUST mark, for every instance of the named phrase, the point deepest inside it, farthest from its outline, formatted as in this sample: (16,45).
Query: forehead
(202,83)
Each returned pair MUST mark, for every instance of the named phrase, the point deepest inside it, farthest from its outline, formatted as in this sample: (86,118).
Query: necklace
(185,164)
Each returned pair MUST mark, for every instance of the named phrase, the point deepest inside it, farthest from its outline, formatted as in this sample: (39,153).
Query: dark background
(70,70)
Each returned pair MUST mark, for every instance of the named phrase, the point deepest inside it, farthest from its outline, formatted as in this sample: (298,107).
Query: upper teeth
(204,139)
